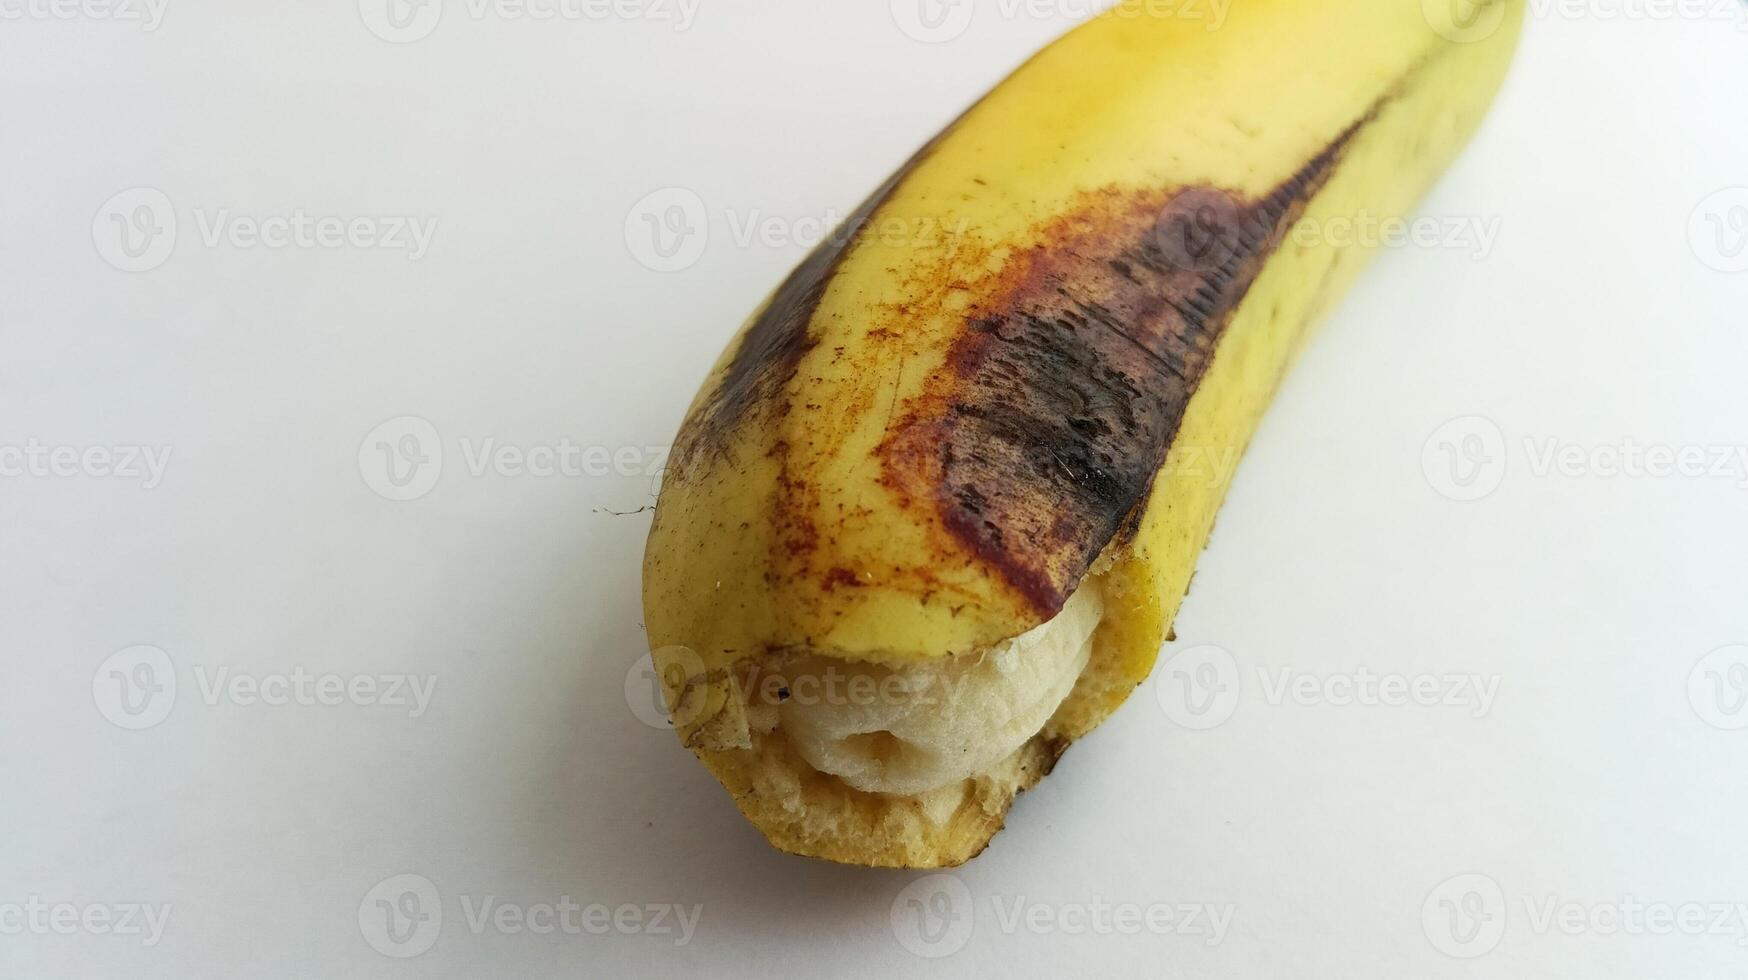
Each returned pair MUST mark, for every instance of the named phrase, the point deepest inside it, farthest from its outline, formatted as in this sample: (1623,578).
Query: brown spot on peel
(1040,442)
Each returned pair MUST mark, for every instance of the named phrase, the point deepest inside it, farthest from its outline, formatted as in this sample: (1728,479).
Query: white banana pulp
(909,731)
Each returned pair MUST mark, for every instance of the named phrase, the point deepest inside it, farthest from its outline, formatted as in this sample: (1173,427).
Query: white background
(1603,313)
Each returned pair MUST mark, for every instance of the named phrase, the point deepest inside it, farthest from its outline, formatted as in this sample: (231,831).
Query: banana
(931,516)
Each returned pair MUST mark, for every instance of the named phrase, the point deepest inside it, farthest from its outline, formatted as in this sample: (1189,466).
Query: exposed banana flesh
(913,729)
(979,460)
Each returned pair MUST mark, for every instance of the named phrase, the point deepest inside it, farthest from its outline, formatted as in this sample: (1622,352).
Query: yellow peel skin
(1032,364)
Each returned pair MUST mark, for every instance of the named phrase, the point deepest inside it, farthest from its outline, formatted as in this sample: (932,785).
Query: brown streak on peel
(1062,396)
(777,340)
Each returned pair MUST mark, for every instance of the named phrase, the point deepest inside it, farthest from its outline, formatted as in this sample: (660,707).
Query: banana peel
(1004,380)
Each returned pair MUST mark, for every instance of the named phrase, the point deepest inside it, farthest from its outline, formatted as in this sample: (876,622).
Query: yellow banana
(931,516)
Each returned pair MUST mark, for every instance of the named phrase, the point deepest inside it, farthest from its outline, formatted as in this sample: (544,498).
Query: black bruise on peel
(1065,403)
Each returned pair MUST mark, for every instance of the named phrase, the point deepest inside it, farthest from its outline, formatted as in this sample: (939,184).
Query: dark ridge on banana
(1041,441)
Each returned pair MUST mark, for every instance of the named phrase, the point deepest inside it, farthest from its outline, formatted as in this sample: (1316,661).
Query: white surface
(530,776)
